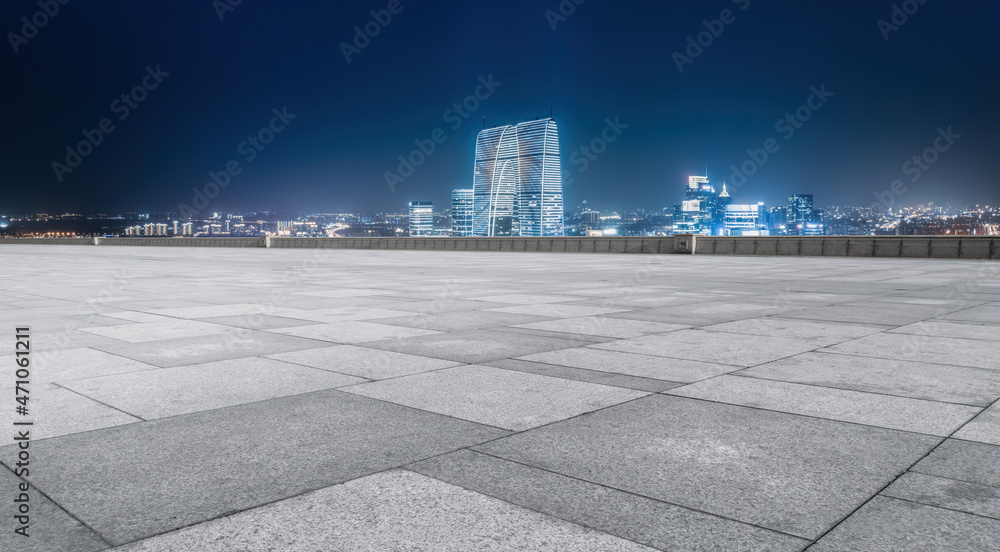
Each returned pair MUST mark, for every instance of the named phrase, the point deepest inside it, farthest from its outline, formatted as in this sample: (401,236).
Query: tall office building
(421,218)
(746,220)
(461,212)
(517,181)
(701,212)
(803,220)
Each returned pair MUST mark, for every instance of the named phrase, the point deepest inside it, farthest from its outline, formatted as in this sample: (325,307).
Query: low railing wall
(943,247)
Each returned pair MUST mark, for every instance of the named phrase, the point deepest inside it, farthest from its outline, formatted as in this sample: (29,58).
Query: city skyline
(841,104)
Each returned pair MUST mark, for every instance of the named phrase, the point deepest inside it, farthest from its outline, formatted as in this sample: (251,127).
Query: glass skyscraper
(517,181)
(421,218)
(461,213)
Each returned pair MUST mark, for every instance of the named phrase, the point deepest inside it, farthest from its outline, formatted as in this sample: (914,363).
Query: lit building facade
(421,218)
(802,218)
(746,220)
(517,181)
(461,212)
(701,212)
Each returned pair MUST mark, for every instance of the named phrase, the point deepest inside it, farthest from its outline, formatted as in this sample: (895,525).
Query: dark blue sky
(939,69)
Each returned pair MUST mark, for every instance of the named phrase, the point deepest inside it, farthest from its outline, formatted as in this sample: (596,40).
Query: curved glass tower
(517,183)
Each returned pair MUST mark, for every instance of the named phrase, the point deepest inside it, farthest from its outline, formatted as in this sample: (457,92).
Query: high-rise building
(802,219)
(700,212)
(517,181)
(746,220)
(461,212)
(421,218)
(776,218)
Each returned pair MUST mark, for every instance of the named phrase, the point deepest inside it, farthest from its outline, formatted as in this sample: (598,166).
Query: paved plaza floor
(264,399)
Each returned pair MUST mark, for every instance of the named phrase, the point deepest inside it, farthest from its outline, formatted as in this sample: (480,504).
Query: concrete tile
(919,380)
(352,332)
(962,330)
(982,314)
(339,314)
(156,331)
(134,481)
(50,529)
(58,411)
(207,311)
(580,374)
(396,510)
(889,524)
(820,333)
(374,364)
(209,348)
(964,461)
(644,366)
(70,364)
(618,328)
(940,350)
(256,321)
(524,298)
(557,310)
(788,473)
(716,347)
(905,414)
(185,389)
(643,520)
(971,498)
(493,396)
(459,320)
(476,345)
(898,315)
(984,428)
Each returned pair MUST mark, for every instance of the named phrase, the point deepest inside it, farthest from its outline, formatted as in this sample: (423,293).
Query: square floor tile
(619,328)
(493,396)
(374,364)
(922,348)
(789,473)
(644,366)
(476,346)
(352,332)
(716,347)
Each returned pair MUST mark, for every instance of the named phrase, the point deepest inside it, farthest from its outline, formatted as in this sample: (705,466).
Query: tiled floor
(246,399)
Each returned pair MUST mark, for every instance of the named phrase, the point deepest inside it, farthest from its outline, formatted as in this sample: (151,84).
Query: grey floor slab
(964,461)
(494,396)
(889,524)
(716,347)
(396,510)
(256,321)
(820,333)
(982,314)
(185,389)
(374,364)
(476,346)
(459,320)
(793,474)
(155,331)
(607,327)
(920,380)
(645,366)
(898,315)
(582,374)
(984,428)
(942,492)
(70,364)
(557,310)
(56,411)
(355,331)
(943,328)
(339,314)
(50,529)
(940,350)
(906,414)
(195,350)
(651,522)
(134,481)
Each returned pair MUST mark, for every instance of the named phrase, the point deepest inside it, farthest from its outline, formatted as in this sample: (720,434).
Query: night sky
(939,69)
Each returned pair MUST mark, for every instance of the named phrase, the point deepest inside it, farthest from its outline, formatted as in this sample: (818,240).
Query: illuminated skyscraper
(421,218)
(461,212)
(701,211)
(517,181)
